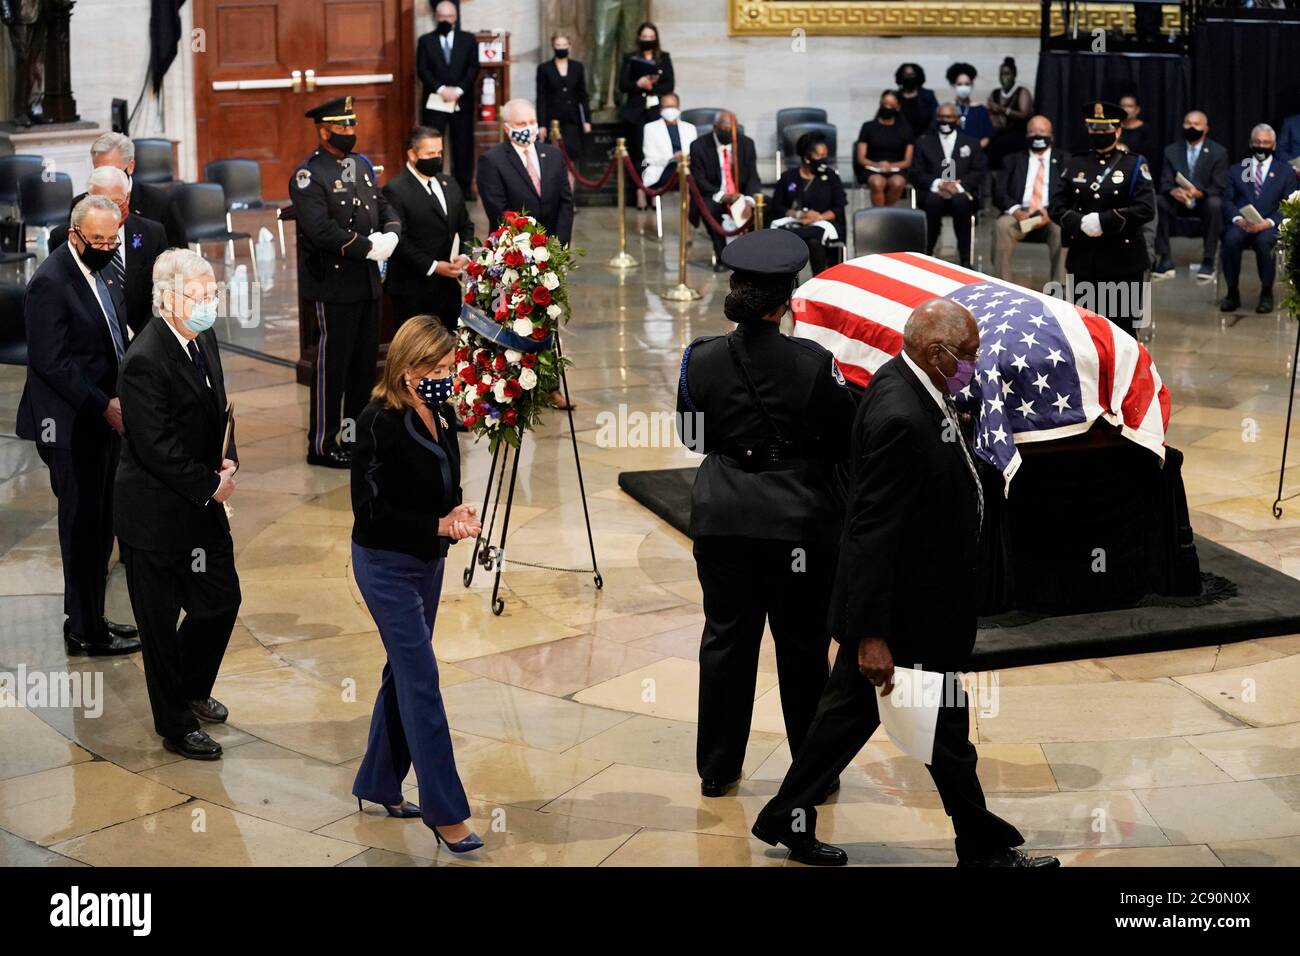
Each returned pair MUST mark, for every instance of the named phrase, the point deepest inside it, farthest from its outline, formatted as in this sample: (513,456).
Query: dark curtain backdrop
(1247,73)
(1067,79)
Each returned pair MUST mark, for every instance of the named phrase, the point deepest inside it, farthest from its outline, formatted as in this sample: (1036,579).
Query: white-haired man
(151,202)
(176,472)
(523,175)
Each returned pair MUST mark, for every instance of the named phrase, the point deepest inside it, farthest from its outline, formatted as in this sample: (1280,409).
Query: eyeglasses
(98,242)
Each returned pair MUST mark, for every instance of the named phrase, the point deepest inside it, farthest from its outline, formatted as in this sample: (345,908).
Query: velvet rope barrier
(639,184)
(702,208)
(577,177)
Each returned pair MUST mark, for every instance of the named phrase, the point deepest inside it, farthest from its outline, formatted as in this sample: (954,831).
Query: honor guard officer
(772,416)
(345,230)
(1102,200)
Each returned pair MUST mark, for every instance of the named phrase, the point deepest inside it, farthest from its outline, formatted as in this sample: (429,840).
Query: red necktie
(728,180)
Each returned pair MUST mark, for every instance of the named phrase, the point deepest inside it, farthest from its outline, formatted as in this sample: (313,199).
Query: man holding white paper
(1022,193)
(1251,207)
(905,592)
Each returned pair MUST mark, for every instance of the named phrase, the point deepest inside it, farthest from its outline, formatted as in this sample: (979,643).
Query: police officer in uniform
(772,415)
(345,230)
(1102,200)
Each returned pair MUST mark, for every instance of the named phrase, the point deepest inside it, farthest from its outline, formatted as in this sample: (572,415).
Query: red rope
(702,208)
(638,183)
(577,177)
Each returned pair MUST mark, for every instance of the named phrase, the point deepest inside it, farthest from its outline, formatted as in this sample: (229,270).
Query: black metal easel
(1286,435)
(486,554)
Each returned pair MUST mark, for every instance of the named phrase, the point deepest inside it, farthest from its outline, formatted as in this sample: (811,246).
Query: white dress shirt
(948,141)
(94,290)
(1027,197)
(435,187)
(925,380)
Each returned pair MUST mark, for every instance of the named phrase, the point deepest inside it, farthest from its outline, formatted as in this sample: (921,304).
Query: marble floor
(573,711)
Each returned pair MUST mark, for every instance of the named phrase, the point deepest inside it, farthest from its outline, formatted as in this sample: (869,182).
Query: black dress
(822,194)
(564,98)
(634,113)
(1141,141)
(885,144)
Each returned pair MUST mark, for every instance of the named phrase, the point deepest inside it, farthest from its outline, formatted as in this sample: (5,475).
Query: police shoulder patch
(839,376)
(1146,172)
(302,178)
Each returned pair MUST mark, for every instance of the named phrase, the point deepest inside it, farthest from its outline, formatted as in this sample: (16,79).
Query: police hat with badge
(765,257)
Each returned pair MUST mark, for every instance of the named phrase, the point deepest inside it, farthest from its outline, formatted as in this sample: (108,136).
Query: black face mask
(1038,143)
(444,27)
(1261,153)
(94,259)
(1192,134)
(560,54)
(888,112)
(429,167)
(645,46)
(723,136)
(343,142)
(1100,142)
(910,83)
(819,167)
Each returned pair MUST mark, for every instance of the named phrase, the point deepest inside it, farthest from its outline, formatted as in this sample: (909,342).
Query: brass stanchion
(621,259)
(555,132)
(759,204)
(681,292)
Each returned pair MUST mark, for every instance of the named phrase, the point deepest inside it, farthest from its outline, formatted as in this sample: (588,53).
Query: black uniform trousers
(181,662)
(745,581)
(1174,218)
(81,477)
(345,369)
(846,718)
(960,207)
(461,124)
(1235,241)
(1120,298)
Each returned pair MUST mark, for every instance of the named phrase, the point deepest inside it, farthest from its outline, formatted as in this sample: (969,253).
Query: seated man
(948,173)
(725,167)
(1190,197)
(664,142)
(1022,193)
(1264,181)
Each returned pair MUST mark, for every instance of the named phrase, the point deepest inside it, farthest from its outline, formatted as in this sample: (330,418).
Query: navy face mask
(434,391)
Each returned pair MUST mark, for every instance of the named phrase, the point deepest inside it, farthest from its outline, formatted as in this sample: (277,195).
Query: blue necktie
(114,329)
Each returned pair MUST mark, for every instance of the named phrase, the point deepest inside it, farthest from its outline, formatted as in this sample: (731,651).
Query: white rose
(522,239)
(487,379)
(553,310)
(499,390)
(469,394)
(508,277)
(541,254)
(551,281)
(512,356)
(1294,196)
(522,327)
(491,422)
(527,378)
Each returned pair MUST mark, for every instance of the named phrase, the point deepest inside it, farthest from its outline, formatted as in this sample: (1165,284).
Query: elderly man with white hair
(117,151)
(177,471)
(524,175)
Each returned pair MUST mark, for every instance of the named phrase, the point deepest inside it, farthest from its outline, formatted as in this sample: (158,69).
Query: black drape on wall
(1247,72)
(1067,79)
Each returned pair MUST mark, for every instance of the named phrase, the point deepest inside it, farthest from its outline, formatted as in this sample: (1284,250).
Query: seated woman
(810,200)
(406,507)
(884,152)
(974,117)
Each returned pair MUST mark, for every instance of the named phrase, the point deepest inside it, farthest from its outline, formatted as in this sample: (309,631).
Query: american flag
(1047,368)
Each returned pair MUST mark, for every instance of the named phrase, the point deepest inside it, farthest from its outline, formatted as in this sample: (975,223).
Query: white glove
(382,245)
(1091,224)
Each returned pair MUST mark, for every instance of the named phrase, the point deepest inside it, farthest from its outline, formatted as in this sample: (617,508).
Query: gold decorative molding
(914,17)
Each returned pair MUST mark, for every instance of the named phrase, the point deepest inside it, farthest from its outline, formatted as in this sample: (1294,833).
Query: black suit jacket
(1279,183)
(426,236)
(706,169)
(143,241)
(504,184)
(907,569)
(1210,175)
(969,165)
(71,363)
(171,451)
(434,70)
(634,110)
(148,202)
(562,98)
(1009,188)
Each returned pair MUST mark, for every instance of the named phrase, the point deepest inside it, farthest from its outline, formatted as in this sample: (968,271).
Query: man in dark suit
(1188,210)
(1022,193)
(149,201)
(424,271)
(76,337)
(905,591)
(447,64)
(176,473)
(1261,180)
(948,173)
(725,167)
(523,175)
(140,241)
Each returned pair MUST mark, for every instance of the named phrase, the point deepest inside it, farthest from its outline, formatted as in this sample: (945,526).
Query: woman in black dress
(562,96)
(917,103)
(646,75)
(811,194)
(883,152)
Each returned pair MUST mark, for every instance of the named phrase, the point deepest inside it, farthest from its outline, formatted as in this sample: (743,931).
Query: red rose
(481,388)
(514,258)
(499,362)
(462,354)
(475,268)
(469,297)
(509,417)
(480,409)
(512,388)
(528,360)
(537,240)
(524,309)
(539,334)
(469,376)
(541,295)
(470,421)
(481,360)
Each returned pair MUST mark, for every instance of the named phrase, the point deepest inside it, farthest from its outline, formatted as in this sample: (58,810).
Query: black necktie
(197,358)
(675,136)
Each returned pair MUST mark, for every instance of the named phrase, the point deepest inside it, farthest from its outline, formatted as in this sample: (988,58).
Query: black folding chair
(241,179)
(13,332)
(702,118)
(43,201)
(153,161)
(790,139)
(789,116)
(202,208)
(888,229)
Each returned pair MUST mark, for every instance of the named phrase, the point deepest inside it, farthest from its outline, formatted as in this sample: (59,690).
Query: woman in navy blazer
(406,506)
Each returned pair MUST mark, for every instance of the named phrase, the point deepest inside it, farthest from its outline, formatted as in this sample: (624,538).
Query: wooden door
(268,61)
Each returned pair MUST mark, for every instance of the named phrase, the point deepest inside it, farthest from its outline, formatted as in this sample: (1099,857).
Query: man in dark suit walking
(1022,193)
(447,64)
(76,338)
(523,175)
(176,473)
(725,167)
(1186,210)
(905,591)
(424,271)
(149,201)
(948,173)
(1261,180)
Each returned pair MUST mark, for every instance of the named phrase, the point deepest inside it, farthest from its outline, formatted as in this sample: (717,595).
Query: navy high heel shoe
(404,812)
(471,842)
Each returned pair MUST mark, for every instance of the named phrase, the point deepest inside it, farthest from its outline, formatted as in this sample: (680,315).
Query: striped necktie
(110,312)
(950,412)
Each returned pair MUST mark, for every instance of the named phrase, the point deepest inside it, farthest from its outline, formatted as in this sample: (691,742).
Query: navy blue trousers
(409,724)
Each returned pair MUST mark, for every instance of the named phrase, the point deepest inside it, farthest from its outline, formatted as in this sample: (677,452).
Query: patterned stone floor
(573,711)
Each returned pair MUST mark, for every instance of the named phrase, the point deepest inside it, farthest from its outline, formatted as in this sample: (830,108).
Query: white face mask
(670,113)
(963,90)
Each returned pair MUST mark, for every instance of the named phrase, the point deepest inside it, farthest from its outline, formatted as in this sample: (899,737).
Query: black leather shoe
(211,710)
(78,646)
(1012,857)
(717,788)
(121,630)
(196,745)
(334,458)
(1231,303)
(808,850)
(1265,303)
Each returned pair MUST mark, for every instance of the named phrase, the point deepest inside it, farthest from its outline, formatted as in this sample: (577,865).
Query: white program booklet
(436,102)
(1030,224)
(1251,214)
(911,712)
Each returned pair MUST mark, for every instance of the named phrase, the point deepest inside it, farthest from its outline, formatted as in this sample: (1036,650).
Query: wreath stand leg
(468,575)
(498,603)
(1286,435)
(577,462)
